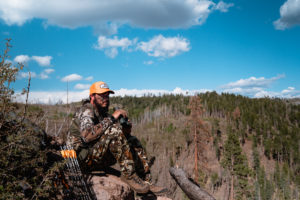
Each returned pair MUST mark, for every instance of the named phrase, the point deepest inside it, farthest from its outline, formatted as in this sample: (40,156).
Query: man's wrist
(113,119)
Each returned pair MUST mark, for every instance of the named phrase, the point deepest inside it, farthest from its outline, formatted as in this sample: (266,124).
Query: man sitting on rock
(97,136)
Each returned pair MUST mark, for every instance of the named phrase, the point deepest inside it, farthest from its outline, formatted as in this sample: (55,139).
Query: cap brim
(104,91)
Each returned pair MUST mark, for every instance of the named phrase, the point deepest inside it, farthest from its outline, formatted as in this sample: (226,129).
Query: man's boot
(157,190)
(136,183)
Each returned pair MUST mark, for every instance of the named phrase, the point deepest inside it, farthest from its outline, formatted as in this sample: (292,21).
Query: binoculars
(124,121)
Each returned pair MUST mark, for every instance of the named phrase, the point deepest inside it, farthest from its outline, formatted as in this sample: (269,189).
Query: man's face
(100,100)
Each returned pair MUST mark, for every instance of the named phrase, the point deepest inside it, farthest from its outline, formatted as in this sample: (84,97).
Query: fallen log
(193,191)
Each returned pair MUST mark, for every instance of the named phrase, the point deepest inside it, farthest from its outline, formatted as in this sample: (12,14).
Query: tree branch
(193,191)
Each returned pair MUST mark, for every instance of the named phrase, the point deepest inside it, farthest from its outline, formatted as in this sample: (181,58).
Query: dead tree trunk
(193,191)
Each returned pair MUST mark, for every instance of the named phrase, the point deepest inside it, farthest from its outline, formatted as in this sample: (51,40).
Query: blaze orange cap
(99,88)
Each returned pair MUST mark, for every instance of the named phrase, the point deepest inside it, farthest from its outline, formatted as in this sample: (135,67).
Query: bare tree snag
(193,191)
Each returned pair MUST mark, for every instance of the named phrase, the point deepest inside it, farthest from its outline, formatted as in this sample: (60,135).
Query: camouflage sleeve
(85,117)
(89,130)
(105,124)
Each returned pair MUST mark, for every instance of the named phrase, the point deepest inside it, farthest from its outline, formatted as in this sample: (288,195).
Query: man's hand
(127,129)
(118,113)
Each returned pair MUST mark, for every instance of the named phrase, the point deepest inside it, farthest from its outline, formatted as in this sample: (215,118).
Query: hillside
(233,146)
(255,141)
(249,146)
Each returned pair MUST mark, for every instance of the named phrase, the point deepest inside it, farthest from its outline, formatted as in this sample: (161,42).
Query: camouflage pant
(140,158)
(113,142)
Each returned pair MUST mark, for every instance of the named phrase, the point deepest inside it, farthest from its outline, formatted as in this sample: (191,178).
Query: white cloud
(111,45)
(26,75)
(253,82)
(90,78)
(82,86)
(139,93)
(161,46)
(149,62)
(22,59)
(104,42)
(244,91)
(45,73)
(259,87)
(52,97)
(135,92)
(112,52)
(289,15)
(43,76)
(158,46)
(49,71)
(42,60)
(290,92)
(106,28)
(263,93)
(108,14)
(71,77)
(223,7)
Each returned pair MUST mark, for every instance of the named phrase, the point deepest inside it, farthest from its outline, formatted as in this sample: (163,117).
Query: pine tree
(197,124)
(236,163)
(8,75)
(256,161)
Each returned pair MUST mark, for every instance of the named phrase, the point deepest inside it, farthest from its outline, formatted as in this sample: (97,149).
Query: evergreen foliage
(236,162)
(265,186)
(8,74)
(256,161)
(27,167)
(272,124)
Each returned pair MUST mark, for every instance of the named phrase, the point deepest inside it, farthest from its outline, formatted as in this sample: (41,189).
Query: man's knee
(114,131)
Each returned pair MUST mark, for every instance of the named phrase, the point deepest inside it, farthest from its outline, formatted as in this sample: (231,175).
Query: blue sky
(154,46)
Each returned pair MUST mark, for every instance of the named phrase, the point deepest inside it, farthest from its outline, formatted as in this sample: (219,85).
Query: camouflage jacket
(84,119)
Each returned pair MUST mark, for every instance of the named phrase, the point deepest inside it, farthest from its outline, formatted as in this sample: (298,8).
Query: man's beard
(102,110)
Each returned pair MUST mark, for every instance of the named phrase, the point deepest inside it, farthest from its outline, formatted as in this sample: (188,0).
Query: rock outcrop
(111,187)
